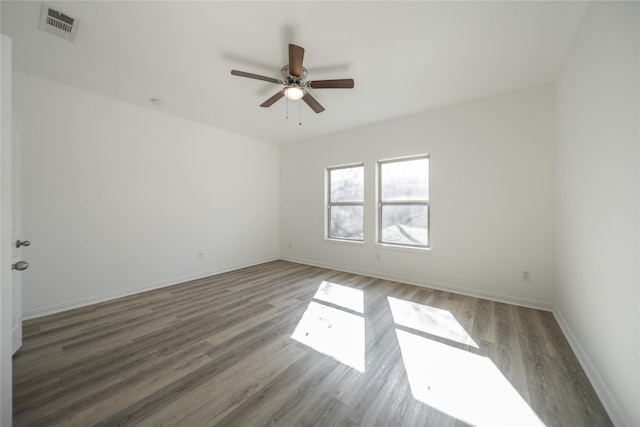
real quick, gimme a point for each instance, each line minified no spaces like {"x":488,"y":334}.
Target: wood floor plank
{"x":269,"y":404}
{"x":540,"y":379}
{"x":326,"y":412}
{"x":214,"y":399}
{"x":150,"y":383}
{"x":221,"y":351}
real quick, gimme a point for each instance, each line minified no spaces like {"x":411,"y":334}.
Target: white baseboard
{"x":522,"y":302}
{"x":82,"y":302}
{"x":610,"y":403}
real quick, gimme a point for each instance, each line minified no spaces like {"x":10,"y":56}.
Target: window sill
{"x":400,"y":248}
{"x":344,"y":242}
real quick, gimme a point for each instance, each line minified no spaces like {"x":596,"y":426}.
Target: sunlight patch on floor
{"x":335,"y":332}
{"x":343,"y":296}
{"x":430,"y":320}
{"x":462,"y":384}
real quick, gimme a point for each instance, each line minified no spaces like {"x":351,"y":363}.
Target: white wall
{"x":598,"y":203}
{"x":119,"y":198}
{"x":491,"y":197}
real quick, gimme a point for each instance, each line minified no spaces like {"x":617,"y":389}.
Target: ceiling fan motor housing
{"x":291,"y":79}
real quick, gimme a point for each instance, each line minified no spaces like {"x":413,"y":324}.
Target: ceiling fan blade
{"x":269,"y":102}
{"x":255,"y":76}
{"x":332,"y":84}
{"x":296,"y":55}
{"x":311,"y":102}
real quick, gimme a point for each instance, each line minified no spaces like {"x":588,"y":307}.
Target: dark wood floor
{"x":289,"y":344}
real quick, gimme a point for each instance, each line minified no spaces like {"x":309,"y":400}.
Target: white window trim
{"x":328,"y":204}
{"x":380,"y":203}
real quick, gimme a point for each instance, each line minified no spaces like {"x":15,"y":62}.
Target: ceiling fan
{"x":294,"y":78}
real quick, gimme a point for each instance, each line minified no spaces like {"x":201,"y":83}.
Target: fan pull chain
{"x":287,"y":108}
{"x":300,"y":103}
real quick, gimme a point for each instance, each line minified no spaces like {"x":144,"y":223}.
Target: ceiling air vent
{"x":58,"y":23}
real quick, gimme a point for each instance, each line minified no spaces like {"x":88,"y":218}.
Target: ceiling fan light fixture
{"x":294,"y":80}
{"x":294,"y":92}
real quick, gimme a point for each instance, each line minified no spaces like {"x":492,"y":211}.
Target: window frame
{"x":329,"y":203}
{"x":422,"y":202}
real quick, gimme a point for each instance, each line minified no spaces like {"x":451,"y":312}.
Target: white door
{"x":6,"y":300}
{"x":17,"y":244}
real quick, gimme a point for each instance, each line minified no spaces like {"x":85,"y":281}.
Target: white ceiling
{"x":405,"y":57}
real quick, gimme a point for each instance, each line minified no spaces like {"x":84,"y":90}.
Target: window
{"x":345,"y":202}
{"x":403,"y":201}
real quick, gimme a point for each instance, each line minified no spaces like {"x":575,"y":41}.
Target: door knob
{"x":20,"y":265}
{"x":22,"y":243}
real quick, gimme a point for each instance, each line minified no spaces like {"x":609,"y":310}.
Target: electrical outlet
{"x":289,"y":245}
{"x":526,"y":276}
{"x":200,"y":256}
{"x":377,"y":257}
